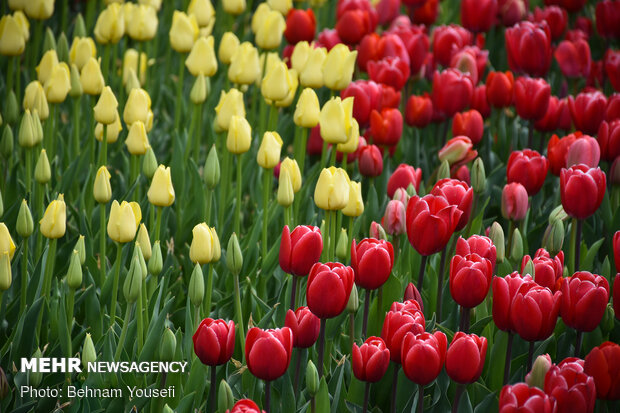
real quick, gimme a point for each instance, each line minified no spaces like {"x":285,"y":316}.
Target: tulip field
{"x":317,"y":206}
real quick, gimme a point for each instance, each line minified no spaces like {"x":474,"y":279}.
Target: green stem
{"x":196,"y":317}
{"x":190,"y":136}
{"x":103,"y":155}
{"x":240,"y":325}
{"x":578,"y":244}
{"x":332,"y":235}
{"x":102,"y":244}
{"x":51,"y":142}
{"x":177,"y":111}
{"x":121,"y":340}
{"x":351,"y":237}
{"x":70,"y":305}
{"x":197,"y":135}
{"x":39,"y":195}
{"x":572,"y":247}
{"x":105,"y":64}
{"x":366,"y":397}
{"x":117,"y":273}
{"x":321,"y":347}
{"x":139,"y":321}
{"x":24,"y":287}
{"x":267,"y":182}
{"x":366,"y":309}
{"x":209,"y":195}
{"x":76,"y":127}
{"x":9,"y":76}
{"x":49,"y":266}
{"x":207,"y":302}
{"x":323,"y":155}
{"x":420,"y":407}
{"x":239,"y":186}
{"x":333,"y":156}
{"x":29,"y":170}
{"x":511,"y":230}
{"x":158,"y":224}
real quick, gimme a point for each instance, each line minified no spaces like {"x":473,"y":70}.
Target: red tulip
{"x":584,"y":300}
{"x":470,"y":279}
{"x":268,"y":352}
{"x":394,"y":220}
{"x":416,"y":42}
{"x":457,"y":151}
{"x":612,"y":68}
{"x":300,"y":25}
{"x":371,"y":360}
{"x":430,"y":223}
{"x":396,"y":325}
{"x":452,"y":92}
{"x":368,"y":50}
{"x":327,"y":38}
{"x":447,"y":40}
{"x":534,"y":311}
{"x":557,"y":149}
{"x":613,"y":108}
{"x":584,"y":151}
{"x":388,"y":10}
{"x":402,"y":177}
{"x":354,"y":19}
{"x":616,"y":245}
{"x":577,"y":181}
{"x":301,"y":249}
{"x":532,"y":97}
{"x":529,"y":48}
{"x":465,"y":357}
{"x":504,"y":291}
{"x":471,"y":59}
{"x":426,"y":14}
{"x":607,"y":17}
{"x":574,"y":58}
{"x":478,"y":16}
{"x":522,"y":398}
{"x":477,"y":244}
{"x":386,"y":127}
{"x":304,"y":325}
{"x":329,"y":286}
{"x":370,"y":161}
{"x":392,"y":45}
{"x":515,"y":202}
{"x":512,"y":11}
{"x":602,"y":365}
{"x":372,"y":261}
{"x":500,"y":88}
{"x":214,"y":341}
{"x":419,"y":111}
{"x":528,"y":168}
{"x":315,"y":142}
{"x":366,"y":97}
{"x":569,"y":5}
{"x":551,"y":120}
{"x":391,"y":71}
{"x":423,"y":356}
{"x":469,"y":124}
{"x":588,"y":111}
{"x":480,"y":102}
{"x":573,"y":390}
{"x":456,"y":193}
{"x":609,"y":139}
{"x":556,"y":17}
{"x":547,"y":271}
{"x":245,"y":406}
{"x":412,"y":293}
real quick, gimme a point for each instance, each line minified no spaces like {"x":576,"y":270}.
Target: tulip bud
{"x":5,"y":271}
{"x":156,"y":262}
{"x":478,"y":176}
{"x":183,"y":32}
{"x":42,"y":171}
{"x":354,"y":302}
{"x":444,"y":170}
{"x":377,"y":231}
{"x":6,"y":242}
{"x":516,"y":252}
{"x":25,"y":226}
{"x":54,"y":221}
{"x":74,"y":274}
{"x":137,"y":253}
{"x":80,"y":27}
{"x":234,"y":7}
{"x":161,"y":191}
{"x":198,"y":93}
{"x":286,"y":195}
{"x":269,"y":32}
{"x":230,"y":104}
{"x":225,"y":398}
{"x":558,"y":214}
{"x":1,"y":205}
{"x":27,"y":137}
{"x":554,"y":237}
{"x":342,"y":247}
{"x":528,"y":269}
{"x":89,"y":354}
{"x":212,"y":169}
{"x":312,"y":73}
{"x":244,"y":66}
{"x":268,"y":154}
{"x":234,"y":257}
{"x":607,"y":323}
{"x":80,"y":247}
{"x":312,"y":379}
{"x":496,"y":233}
{"x":11,"y":108}
{"x":335,"y":120}
{"x":133,"y":282}
{"x":34,"y":378}
{"x":228,"y":46}
{"x":47,"y":63}
{"x":196,"y":286}
{"x":149,"y":165}
{"x":91,"y":78}
{"x":355,"y":204}
{"x":76,"y":86}
{"x":102,"y":190}
{"x":144,"y":242}
{"x":205,"y":246}
{"x":62,"y":48}
{"x":137,"y":141}
{"x":308,"y":110}
{"x":339,"y":66}
{"x":239,"y":137}
{"x":536,"y":377}
{"x":6,"y":143}
{"x":105,"y":109}
{"x":167,"y":409}
{"x":49,"y":42}
{"x":168,"y":346}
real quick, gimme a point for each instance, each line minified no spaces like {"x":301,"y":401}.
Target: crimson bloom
{"x":300,"y":25}
{"x":534,"y":311}
{"x":480,"y":102}
{"x":457,"y":193}
{"x":465,"y":357}
{"x":587,"y":111}
{"x":548,"y":271}
{"x":607,"y":17}
{"x":574,"y":58}
{"x":602,"y":365}
{"x":425,"y":14}
{"x":394,"y":220}
{"x":522,"y":398}
{"x":584,"y":151}
{"x":584,"y":300}
{"x":556,"y":17}
{"x":354,"y":19}
{"x":301,"y":249}
{"x":371,"y":360}
{"x":515,"y":202}
{"x":386,"y":127}
{"x":452,"y":92}
{"x":470,"y":124}
{"x":372,"y":260}
{"x":478,"y":16}
{"x":557,"y":150}
{"x":412,"y":293}
{"x":447,"y":40}
{"x":245,"y":406}
{"x":570,"y":5}
{"x":423,"y":356}
{"x":391,"y":71}
{"x":577,"y":181}
{"x":573,"y":390}
{"x":470,"y":279}
{"x":551,"y":120}
{"x":402,"y":177}
{"x":214,"y":341}
{"x":268,"y":352}
{"x":529,"y":168}
{"x":477,"y":244}
{"x":366,"y":97}
{"x":512,"y":11}
{"x":370,"y":161}
{"x":529,"y":48}
{"x":612,"y":68}
{"x":504,"y":291}
{"x":329,"y":287}
{"x":608,"y":138}
{"x":419,"y":111}
{"x":396,"y":325}
{"x":532,"y":97}
{"x":304,"y":325}
{"x":431,"y":221}
{"x":500,"y":87}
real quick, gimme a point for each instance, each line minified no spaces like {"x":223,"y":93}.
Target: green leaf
{"x":587,"y":263}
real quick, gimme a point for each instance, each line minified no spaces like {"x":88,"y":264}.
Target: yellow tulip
{"x":244,"y":66}
{"x":54,"y":222}
{"x":82,"y":49}
{"x":286,"y":195}
{"x":299,"y":58}
{"x":205,"y":246}
{"x":12,"y":40}
{"x":332,"y":189}
{"x":203,"y":10}
{"x":291,"y":166}
{"x":339,"y":66}
{"x":283,"y":6}
{"x":145,"y":242}
{"x":292,"y":90}
{"x":105,"y":109}
{"x":47,"y":63}
{"x":27,"y":135}
{"x":141,"y":22}
{"x":276,"y":83}
{"x":161,"y":192}
{"x":102,"y":190}
{"x":234,"y":7}
{"x":110,"y":26}
{"x":270,"y":31}
{"x":312,"y":73}
{"x":137,"y":141}
{"x":130,"y":61}
{"x":137,"y":107}
{"x":199,"y":91}
{"x":5,"y":271}
{"x":59,"y":83}
{"x":91,"y":77}
{"x":353,"y":140}
{"x":155,"y":4}
{"x":23,"y":22}
{"x":230,"y":104}
{"x":355,"y":206}
{"x":183,"y":32}
{"x":201,"y":59}
{"x":268,"y":154}
{"x":272,"y":59}
{"x":239,"y":138}
{"x":228,"y":47}
{"x":336,"y":120}
{"x":42,"y":170}
{"x":6,"y":242}
{"x":307,"y":110}
{"x":39,"y":9}
{"x":112,"y":131}
{"x":124,"y":221}
{"x":17,"y":4}
{"x":35,"y":100}
{"x":259,"y":16}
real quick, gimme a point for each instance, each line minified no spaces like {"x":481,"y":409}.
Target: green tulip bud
{"x":49,"y":42}
{"x":168,"y":346}
{"x":529,"y":268}
{"x":156,"y":262}
{"x":354,"y":303}
{"x":42,"y":171}
{"x":342,"y":247}
{"x":478,"y":176}
{"x":132,"y":81}
{"x":89,"y":354}
{"x":212,"y":169}
{"x":554,"y":237}
{"x":196,"y":286}
{"x":167,"y":409}
{"x":607,"y":324}
{"x":411,"y":191}
{"x":76,"y":86}
{"x":25,"y":226}
{"x":80,"y":27}
{"x":137,"y":252}
{"x":11,"y":108}
{"x":27,"y":136}
{"x":38,"y":127}
{"x":496,"y":233}
{"x":198,"y":93}
{"x":225,"y":399}
{"x":62,"y":48}
{"x":536,"y":377}
{"x":145,"y":242}
{"x":1,"y":205}
{"x":234,"y":257}
{"x":516,"y":252}
{"x":312,"y":379}
{"x":80,"y":246}
{"x":6,"y":277}
{"x":133,"y":282}
{"x":74,"y":274}
{"x":6,"y":143}
{"x":558,"y":213}
{"x":149,"y":166}
{"x":34,"y":378}
{"x":444,"y":170}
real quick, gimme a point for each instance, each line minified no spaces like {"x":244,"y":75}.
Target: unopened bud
{"x":34,"y":378}
{"x":411,"y":191}
{"x":62,"y":48}
{"x":496,"y":233}
{"x":354,"y":302}
{"x":38,"y":127}
{"x":529,"y":268}
{"x":137,"y":252}
{"x":443,"y":171}
{"x":198,"y":93}
{"x":79,"y":29}
{"x":76,"y":86}
{"x":74,"y":274}
{"x":412,"y":293}
{"x":225,"y":398}
{"x":42,"y":171}
{"x":554,"y":237}
{"x":80,"y":247}
{"x":133,"y":282}
{"x":312,"y":379}
{"x":558,"y":213}
{"x":27,"y":135}
{"x":25,"y":225}
{"x":234,"y":257}
{"x":377,"y":231}
{"x":144,"y":242}
{"x":212,"y":169}
{"x":6,"y":143}
{"x":196,"y":286}
{"x":607,"y":323}
{"x":156,"y":262}
{"x":167,"y":409}
{"x":478,"y":176}
{"x":536,"y":377}
{"x":149,"y":166}
{"x":168,"y":346}
{"x":49,"y":42}
{"x":342,"y":247}
{"x":89,"y":354}
{"x":516,"y":253}
{"x":285,"y":196}
{"x":11,"y":108}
